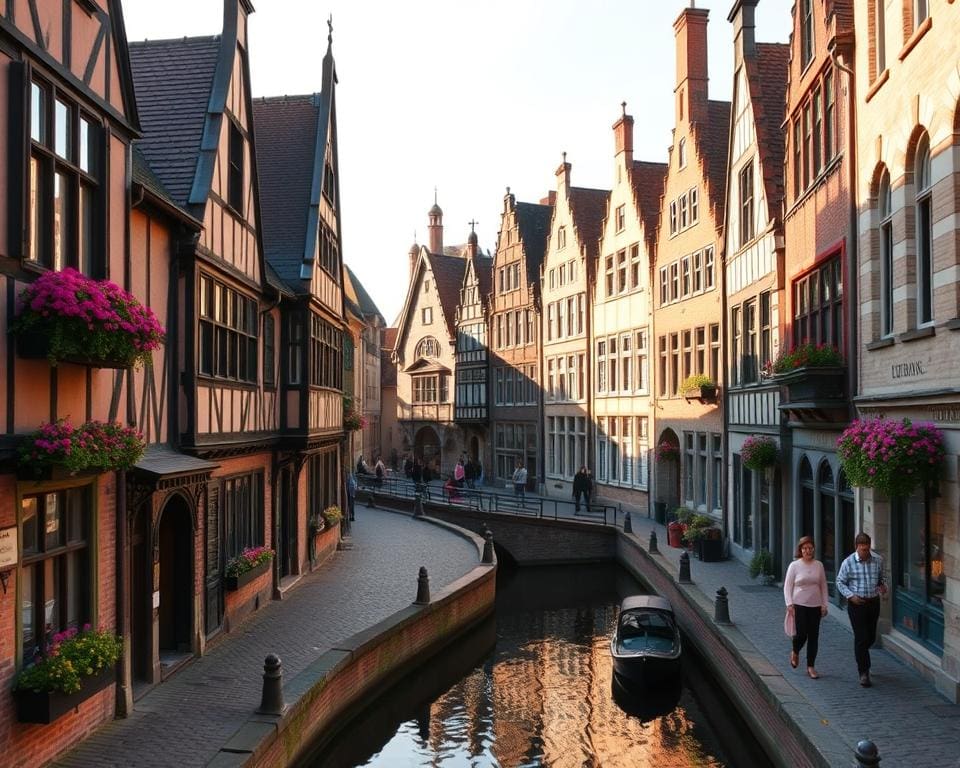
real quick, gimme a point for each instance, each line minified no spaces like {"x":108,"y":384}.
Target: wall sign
{"x":8,"y":547}
{"x":908,"y":370}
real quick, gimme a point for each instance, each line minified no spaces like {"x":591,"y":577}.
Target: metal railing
{"x":529,"y":505}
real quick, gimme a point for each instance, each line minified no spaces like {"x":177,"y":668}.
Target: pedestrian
{"x":362,"y":468}
{"x":459,"y":473}
{"x":452,"y":490}
{"x":351,"y":494}
{"x":805,"y":593}
{"x":416,"y":472}
{"x":519,"y":480}
{"x":408,"y":467}
{"x":582,"y":487}
{"x":861,"y":581}
{"x":379,"y":470}
{"x":470,"y":473}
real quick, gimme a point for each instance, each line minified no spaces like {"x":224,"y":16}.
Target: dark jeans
{"x":576,"y":499}
{"x":350,"y":507}
{"x":518,"y":489}
{"x":863,"y":619}
{"x":808,"y":631}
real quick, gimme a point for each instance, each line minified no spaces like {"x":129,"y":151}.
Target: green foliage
{"x":70,"y":656}
{"x":684,"y":515}
{"x":247,"y":560}
{"x":759,"y":452}
{"x":332,"y":515}
{"x":695,"y":382}
{"x":93,"y":446}
{"x":697,"y":528}
{"x":761,"y":564}
{"x":806,"y":356}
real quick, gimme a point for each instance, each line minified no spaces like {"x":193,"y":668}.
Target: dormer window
{"x":562,"y":237}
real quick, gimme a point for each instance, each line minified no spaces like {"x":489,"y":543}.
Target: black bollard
{"x":627,"y":525}
{"x":652,"y":549}
{"x":721,"y":610}
{"x":684,"y":576}
{"x":487,"y":547}
{"x":271,"y":699}
{"x":423,"y":587}
{"x":418,"y":506}
{"x":866,"y":754}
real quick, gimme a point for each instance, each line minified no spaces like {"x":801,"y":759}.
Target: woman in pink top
{"x":805,"y":592}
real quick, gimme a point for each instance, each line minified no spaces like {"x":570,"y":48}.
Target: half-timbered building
{"x":687,"y":305}
{"x":620,"y":330}
{"x":515,"y":328}
{"x":566,"y":278}
{"x":69,"y":120}
{"x":753,"y":280}
{"x":367,"y":363}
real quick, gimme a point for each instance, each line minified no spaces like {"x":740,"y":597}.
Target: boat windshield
{"x":650,"y":629}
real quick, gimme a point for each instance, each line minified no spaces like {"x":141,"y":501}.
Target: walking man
{"x":861,"y":581}
{"x":520,"y":480}
{"x":582,"y":487}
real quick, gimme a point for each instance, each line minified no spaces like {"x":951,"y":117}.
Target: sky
{"x":466,"y":99}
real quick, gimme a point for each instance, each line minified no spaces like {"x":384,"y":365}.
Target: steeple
{"x":435,"y":226}
{"x":472,"y":241}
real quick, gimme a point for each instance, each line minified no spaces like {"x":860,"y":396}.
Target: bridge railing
{"x":541,"y":507}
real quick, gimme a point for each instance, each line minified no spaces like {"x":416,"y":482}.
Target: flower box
{"x":233,"y":583}
{"x":813,"y":384}
{"x":47,"y":706}
{"x":35,"y":345}
{"x":59,"y":450}
{"x":705,"y":394}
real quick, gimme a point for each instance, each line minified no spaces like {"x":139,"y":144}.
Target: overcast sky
{"x":466,"y":97}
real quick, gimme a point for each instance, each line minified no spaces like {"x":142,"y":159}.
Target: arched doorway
{"x":174,"y":547}
{"x":426,"y":447}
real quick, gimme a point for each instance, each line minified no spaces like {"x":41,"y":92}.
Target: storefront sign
{"x":908,"y":370}
{"x":8,"y":547}
{"x":944,"y":414}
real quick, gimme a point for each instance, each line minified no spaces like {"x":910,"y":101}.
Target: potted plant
{"x":706,"y":539}
{"x":332,"y":515}
{"x":66,"y":316}
{"x":353,"y":420}
{"x":668,"y":452}
{"x":246,"y":566}
{"x":699,"y":387}
{"x":893,"y":457}
{"x":95,"y":446}
{"x":759,"y":452}
{"x":70,"y":668}
{"x":810,"y":372}
{"x":761,"y":564}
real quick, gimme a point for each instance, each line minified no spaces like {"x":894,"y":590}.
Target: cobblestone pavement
{"x":184,"y":721}
{"x":906,"y":718}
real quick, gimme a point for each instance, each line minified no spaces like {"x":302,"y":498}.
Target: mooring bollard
{"x":487,"y":547}
{"x":271,"y":698}
{"x":423,"y":587}
{"x":721,"y":610}
{"x":418,"y":506}
{"x":684,"y":575}
{"x":652,"y":548}
{"x":627,"y":524}
{"x":866,"y":754}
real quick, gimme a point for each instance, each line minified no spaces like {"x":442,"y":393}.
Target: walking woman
{"x":805,"y":592}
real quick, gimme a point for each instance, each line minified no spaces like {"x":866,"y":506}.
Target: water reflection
{"x":545,"y":695}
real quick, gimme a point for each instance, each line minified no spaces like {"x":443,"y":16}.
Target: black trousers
{"x":863,"y":619}
{"x":576,"y":499}
{"x":807,"y":620}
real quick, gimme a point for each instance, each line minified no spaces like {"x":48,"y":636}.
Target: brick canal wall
{"x":349,"y":675}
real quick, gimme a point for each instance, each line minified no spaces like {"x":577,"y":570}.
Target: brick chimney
{"x":550,"y":199}
{"x":690,"y":30}
{"x":563,"y":176}
{"x":742,"y":16}
{"x":623,"y":136}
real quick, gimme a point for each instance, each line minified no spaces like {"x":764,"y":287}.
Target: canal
{"x":534,"y":687}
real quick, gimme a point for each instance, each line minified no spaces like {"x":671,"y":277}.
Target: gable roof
{"x":711,"y":139}
{"x":483,"y":269}
{"x":588,"y":207}
{"x":173,"y":79}
{"x":533,"y":223}
{"x":767,"y":77}
{"x":647,"y":180}
{"x":360,"y":295}
{"x":448,"y":275}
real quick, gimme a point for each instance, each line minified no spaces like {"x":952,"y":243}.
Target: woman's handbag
{"x":789,"y":624}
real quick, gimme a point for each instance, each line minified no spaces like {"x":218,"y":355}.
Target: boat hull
{"x":646,"y":671}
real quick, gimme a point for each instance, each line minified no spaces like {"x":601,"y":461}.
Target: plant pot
{"x":233,"y":583}
{"x":706,"y":394}
{"x":45,"y":707}
{"x":35,"y":345}
{"x":710,"y":550}
{"x":660,"y":512}
{"x":675,"y":534}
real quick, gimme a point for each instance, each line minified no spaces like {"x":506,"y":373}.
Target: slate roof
{"x":286,"y":131}
{"x":143,"y":174}
{"x":588,"y":207}
{"x":533,"y":223}
{"x":712,"y":139}
{"x":448,"y":275}
{"x":364,"y":302}
{"x":173,"y":79}
{"x":483,"y":269}
{"x":647,"y":180}
{"x":767,"y":77}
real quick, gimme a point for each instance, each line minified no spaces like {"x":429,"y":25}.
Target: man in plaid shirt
{"x":861,"y":581}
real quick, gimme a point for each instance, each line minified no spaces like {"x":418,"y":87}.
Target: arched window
{"x":885,"y":206}
{"x":924,"y":231}
{"x":428,"y":347}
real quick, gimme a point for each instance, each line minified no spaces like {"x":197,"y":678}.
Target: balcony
{"x":437,"y":412}
{"x":471,"y":414}
{"x":814,"y":395}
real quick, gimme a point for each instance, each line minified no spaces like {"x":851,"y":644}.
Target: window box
{"x":814,"y":384}
{"x":705,"y":394}
{"x":233,"y":583}
{"x":35,"y":345}
{"x":47,"y":706}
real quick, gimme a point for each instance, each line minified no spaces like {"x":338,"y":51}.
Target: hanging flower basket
{"x":68,"y":317}
{"x":893,"y":457}
{"x":759,"y":452}
{"x":352,"y":418}
{"x":95,"y":446}
{"x":668,"y":452}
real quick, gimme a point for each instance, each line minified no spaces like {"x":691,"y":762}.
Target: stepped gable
{"x":172,"y":79}
{"x":285,"y":128}
{"x":647,"y":180}
{"x":588,"y":207}
{"x":767,"y":76}
{"x":712,"y":138}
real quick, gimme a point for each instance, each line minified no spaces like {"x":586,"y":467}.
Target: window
{"x":714,"y":371}
{"x":746,"y":204}
{"x":242,"y":501}
{"x":682,"y":153}
{"x":563,"y":274}
{"x":920,"y":13}
{"x":553,"y":279}
{"x":664,"y":298}
{"x":643,"y":381}
{"x":828,"y":112}
{"x":817,"y":133}
{"x":685,"y":282}
{"x":924,"y":225}
{"x":327,"y":359}
{"x":886,"y":256}
{"x":698,"y":272}
{"x":700,"y":497}
{"x":621,"y":271}
{"x":294,"y":350}
{"x":269,"y":369}
{"x":708,"y":268}
{"x":687,"y":337}
{"x":427,"y":347}
{"x":674,"y":363}
{"x":608,"y":274}
{"x":806,"y":146}
{"x":766,"y":336}
{"x":798,"y":186}
{"x":662,"y":372}
{"x":674,"y":281}
{"x":330,"y":254}
{"x":634,"y":266}
{"x":683,"y":211}
{"x":694,"y":196}
{"x":322,"y":479}
{"x":687,"y":469}
{"x":55,"y":583}
{"x":426,"y":315}
{"x":551,"y":380}
{"x":235,"y":173}
{"x":426,"y":286}
{"x":806,"y":31}
{"x":716,"y":492}
{"x":700,"y":351}
{"x":626,"y":362}
{"x":228,"y":332}
{"x":621,"y":217}
{"x":736,"y":345}
{"x":601,"y":366}
{"x":749,"y":372}
{"x":879,"y":38}
{"x":562,"y":237}
{"x":550,"y":322}
{"x":612,"y":367}
{"x":818,"y":306}
{"x":673,"y":217}
{"x":65,"y":202}
{"x":429,"y":389}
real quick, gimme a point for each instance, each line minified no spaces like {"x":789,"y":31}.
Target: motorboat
{"x":646,"y":646}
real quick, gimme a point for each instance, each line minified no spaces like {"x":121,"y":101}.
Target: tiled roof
{"x":389,"y":338}
{"x":286,"y":130}
{"x":588,"y":207}
{"x":767,"y":75}
{"x":483,"y":268}
{"x":366,"y":304}
{"x":533,"y":223}
{"x":648,"y":180}
{"x":173,"y":79}
{"x":143,"y":174}
{"x":448,"y":274}
{"x":712,"y":137}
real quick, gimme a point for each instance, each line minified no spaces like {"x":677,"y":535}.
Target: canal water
{"x":535,"y":687}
